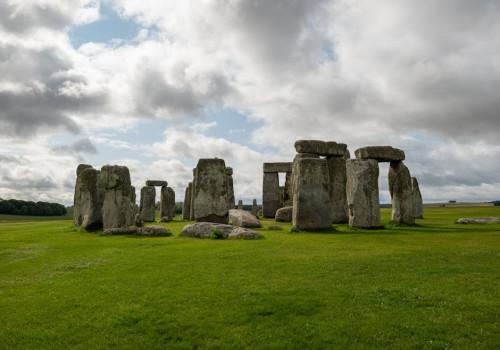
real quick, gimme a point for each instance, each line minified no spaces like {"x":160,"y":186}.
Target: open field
{"x":432,"y":286}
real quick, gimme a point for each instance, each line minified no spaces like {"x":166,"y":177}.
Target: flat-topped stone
{"x":380,"y":153}
{"x":281,"y":167}
{"x":322,"y":148}
{"x":156,"y":183}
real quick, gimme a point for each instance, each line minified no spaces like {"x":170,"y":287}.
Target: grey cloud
{"x":80,"y":146}
{"x":21,"y":183}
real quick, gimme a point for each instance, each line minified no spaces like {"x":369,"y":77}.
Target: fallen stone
{"x":417,"y":203}
{"x":284,"y":214}
{"x":243,"y":218}
{"x":281,"y":167}
{"x":147,"y":203}
{"x":165,"y":219}
{"x":120,"y":231}
{"x":160,"y":183}
{"x":215,"y":230}
{"x":401,"y":194}
{"x":311,"y":202}
{"x":362,"y":192}
{"x":153,"y":231}
{"x":138,"y":221}
{"x":380,"y":153}
{"x":115,"y":180}
{"x":322,"y":148}
{"x":485,"y":220}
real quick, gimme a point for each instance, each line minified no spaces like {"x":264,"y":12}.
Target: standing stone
{"x":337,"y":189}
{"x":240,"y":205}
{"x":230,"y":188}
{"x":362,"y":192}
{"x":270,"y":194}
{"x":147,"y":207}
{"x":186,"y":206}
{"x":88,"y":200}
{"x":191,"y":209}
{"x":418,"y":205}
{"x":294,"y":164}
{"x":167,"y":204}
{"x":287,"y":195}
{"x":401,"y":193}
{"x":115,"y":180}
{"x":210,"y":191}
{"x":133,"y":206}
{"x":255,"y":209}
{"x":311,"y":202}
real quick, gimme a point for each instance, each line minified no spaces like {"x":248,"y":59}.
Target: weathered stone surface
{"x":165,"y":219}
{"x":337,"y":189}
{"x":88,"y":199}
{"x":186,"y":206}
{"x":284,"y":214}
{"x":160,"y":183}
{"x":205,"y":230}
{"x":120,"y":231}
{"x":311,"y":202}
{"x":417,"y":203}
{"x":380,"y":153}
{"x":270,"y":194}
{"x":486,"y":220}
{"x":322,"y":148}
{"x":134,"y":208}
{"x":191,"y":209}
{"x":362,"y":192}
{"x":82,"y":167}
{"x":230,"y":190}
{"x":147,"y":206}
{"x":115,"y":180}
{"x":282,"y":196}
{"x":287,"y":195}
{"x":255,"y":209}
{"x":138,"y":221}
{"x":229,"y":171}
{"x":281,"y":167}
{"x":153,"y":231}
{"x":240,"y":205}
{"x":210,"y":191}
{"x":294,"y":164}
{"x":167,"y":203}
{"x":243,"y":218}
{"x":401,"y":193}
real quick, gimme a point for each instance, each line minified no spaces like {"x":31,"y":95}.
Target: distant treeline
{"x":19,"y":207}
{"x":496,"y":203}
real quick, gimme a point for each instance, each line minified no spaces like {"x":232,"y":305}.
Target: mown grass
{"x":431,"y":286}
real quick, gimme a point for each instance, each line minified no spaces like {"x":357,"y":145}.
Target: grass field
{"x":432,"y":286}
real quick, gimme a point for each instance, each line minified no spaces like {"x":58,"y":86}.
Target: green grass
{"x":431,"y":286}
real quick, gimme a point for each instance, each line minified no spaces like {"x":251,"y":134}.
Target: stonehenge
{"x":115,"y":181}
{"x":167,"y":204}
{"x":401,"y":193}
{"x":272,"y":196}
{"x":147,"y":204}
{"x":88,"y":198}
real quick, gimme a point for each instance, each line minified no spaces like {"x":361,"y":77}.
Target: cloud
{"x":80,"y":146}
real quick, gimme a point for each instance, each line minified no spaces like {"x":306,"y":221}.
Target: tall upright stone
{"x":186,"y":206}
{"x":210,"y":191}
{"x":417,"y":203}
{"x":134,"y":208}
{"x":362,"y":192}
{"x":147,"y":206}
{"x":293,"y":172}
{"x":287,"y":195}
{"x":255,"y":208}
{"x":401,"y":193}
{"x":240,"y":205}
{"x":337,"y":189}
{"x":311,"y":201}
{"x":167,"y":203}
{"x":230,"y":188}
{"x":88,"y":199}
{"x":191,"y":209}
{"x":115,"y":180}
{"x":270,"y":195}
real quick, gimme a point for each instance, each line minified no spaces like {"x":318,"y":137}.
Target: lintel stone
{"x":156,"y":183}
{"x":283,"y":167}
{"x":380,"y":153}
{"x":321,"y":148}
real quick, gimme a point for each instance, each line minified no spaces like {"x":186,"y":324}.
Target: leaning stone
{"x":486,"y":220}
{"x":88,"y":200}
{"x":115,"y":180}
{"x":153,"y":231}
{"x":337,"y":189}
{"x":362,"y":192}
{"x":284,"y":214}
{"x":322,"y":148}
{"x":186,"y":206}
{"x":160,"y":183}
{"x":167,"y":203}
{"x":147,"y":206}
{"x":243,"y":218}
{"x":210,"y":191}
{"x":417,"y":203}
{"x":311,"y":202}
{"x":120,"y":231}
{"x":270,"y":194}
{"x":206,"y":230}
{"x":401,"y":194}
{"x":380,"y":153}
{"x":281,"y":167}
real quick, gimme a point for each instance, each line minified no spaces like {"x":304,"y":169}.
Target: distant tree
{"x":20,"y":207}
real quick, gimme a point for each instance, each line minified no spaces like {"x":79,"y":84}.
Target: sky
{"x":156,"y":85}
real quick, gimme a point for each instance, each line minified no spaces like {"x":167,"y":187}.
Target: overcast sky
{"x":155,"y":85}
